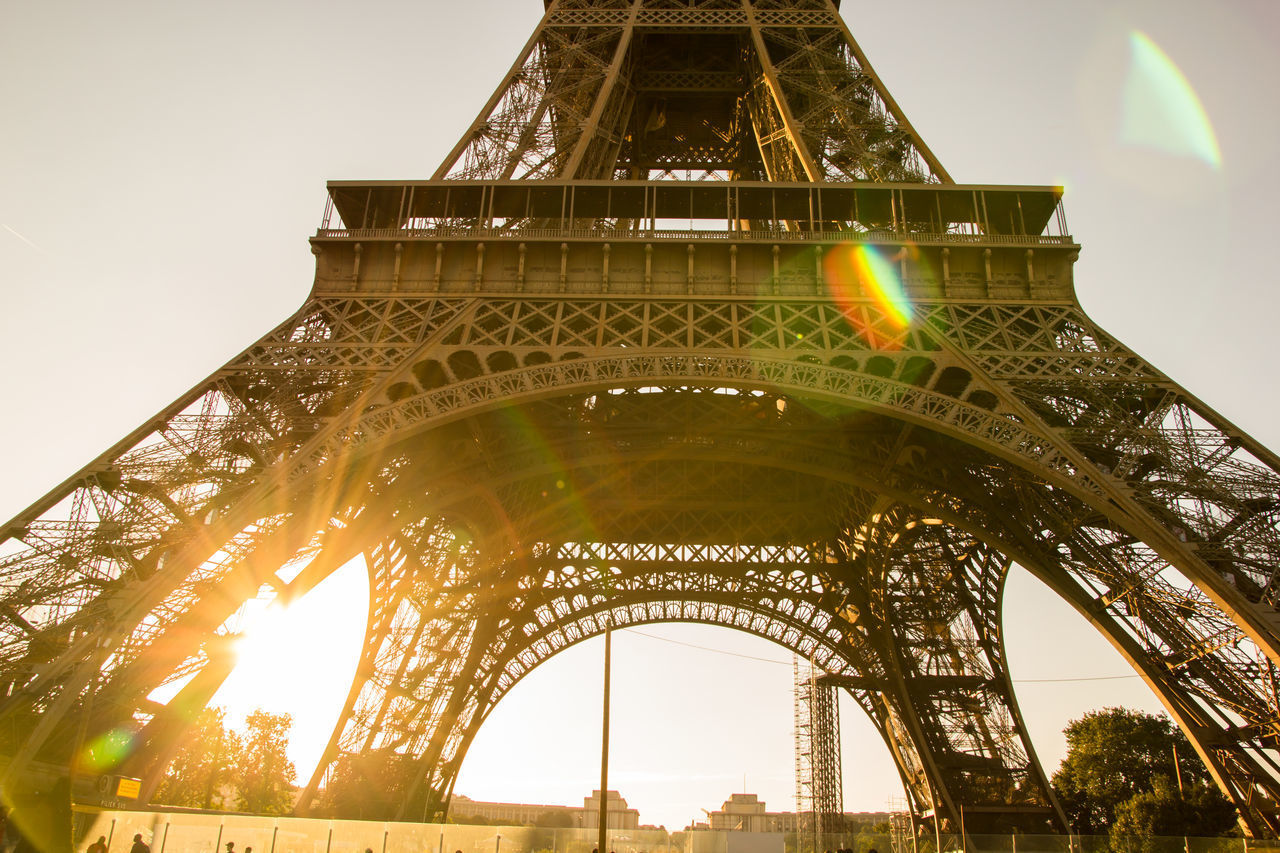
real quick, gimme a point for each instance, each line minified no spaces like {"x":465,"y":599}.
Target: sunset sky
{"x":164,"y":163}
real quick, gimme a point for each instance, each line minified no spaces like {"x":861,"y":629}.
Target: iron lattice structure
{"x":819,"y":780}
{"x":555,"y":388}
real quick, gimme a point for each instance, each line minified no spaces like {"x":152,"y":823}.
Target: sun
{"x":300,"y":660}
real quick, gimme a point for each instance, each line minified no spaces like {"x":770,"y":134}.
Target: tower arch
{"x":836,"y":269}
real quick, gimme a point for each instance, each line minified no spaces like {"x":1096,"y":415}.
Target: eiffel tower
{"x":690,"y":326}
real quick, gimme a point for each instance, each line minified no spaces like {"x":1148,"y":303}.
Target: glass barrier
{"x":192,"y":832}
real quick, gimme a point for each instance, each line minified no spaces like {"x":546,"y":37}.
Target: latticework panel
{"x":847,"y":127}
{"x":813,"y":109}
{"x":1208,"y":487}
{"x":537,"y":119}
{"x":135,"y":543}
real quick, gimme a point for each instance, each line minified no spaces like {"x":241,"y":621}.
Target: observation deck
{"x":691,"y":237}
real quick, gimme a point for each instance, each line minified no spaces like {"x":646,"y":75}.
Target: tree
{"x":554,"y":819}
{"x":372,"y":786}
{"x":1122,"y":762}
{"x":1198,"y":810}
{"x":202,"y":772}
{"x":265,"y":773}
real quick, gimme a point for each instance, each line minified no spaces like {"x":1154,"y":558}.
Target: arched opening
{"x":465,"y":365}
{"x":594,"y":494}
{"x":652,"y":393}
{"x":952,"y":381}
{"x":696,"y":708}
{"x":430,"y":374}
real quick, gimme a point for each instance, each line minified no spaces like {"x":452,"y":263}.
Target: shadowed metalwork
{"x":690,"y":326}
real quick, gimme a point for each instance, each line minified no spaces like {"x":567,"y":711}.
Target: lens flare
{"x":1161,"y":109}
{"x":882,"y":282}
{"x":856,"y":272}
{"x":107,"y":751}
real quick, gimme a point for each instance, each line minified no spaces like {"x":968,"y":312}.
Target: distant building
{"x":740,"y":813}
{"x":620,"y":817}
{"x":868,"y":818}
{"x":523,"y":814}
{"x":746,"y":813}
{"x":512,"y":814}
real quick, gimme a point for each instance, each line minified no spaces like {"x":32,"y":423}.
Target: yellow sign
{"x":128,"y":788}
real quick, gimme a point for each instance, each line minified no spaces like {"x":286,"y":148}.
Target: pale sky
{"x":163,"y":163}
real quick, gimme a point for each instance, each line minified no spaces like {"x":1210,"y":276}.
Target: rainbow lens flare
{"x":1161,"y":109}
{"x":107,"y":750}
{"x":859,"y":270}
{"x":880,"y":279}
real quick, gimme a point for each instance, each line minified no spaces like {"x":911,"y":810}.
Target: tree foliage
{"x":203,"y":770}
{"x":1119,"y":776}
{"x":217,"y":768}
{"x":554,"y":819}
{"x":1164,"y":810}
{"x":265,"y":773}
{"x":372,"y":786}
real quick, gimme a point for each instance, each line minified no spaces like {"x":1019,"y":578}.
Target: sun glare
{"x":300,"y":660}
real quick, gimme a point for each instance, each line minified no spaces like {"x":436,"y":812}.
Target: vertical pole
{"x":604,"y":749}
{"x":964,"y":839}
{"x":1177,"y":771}
{"x":164,"y":839}
{"x":937,"y":827}
{"x":328,"y":843}
{"x":111,"y":833}
{"x":813,"y":729}
{"x":217,"y":845}
{"x":275,"y":830}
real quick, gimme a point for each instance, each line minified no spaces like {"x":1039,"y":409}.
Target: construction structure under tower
{"x":819,"y":782}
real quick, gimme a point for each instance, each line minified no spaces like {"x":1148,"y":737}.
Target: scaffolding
{"x":819,"y":782}
{"x":902,"y":834}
